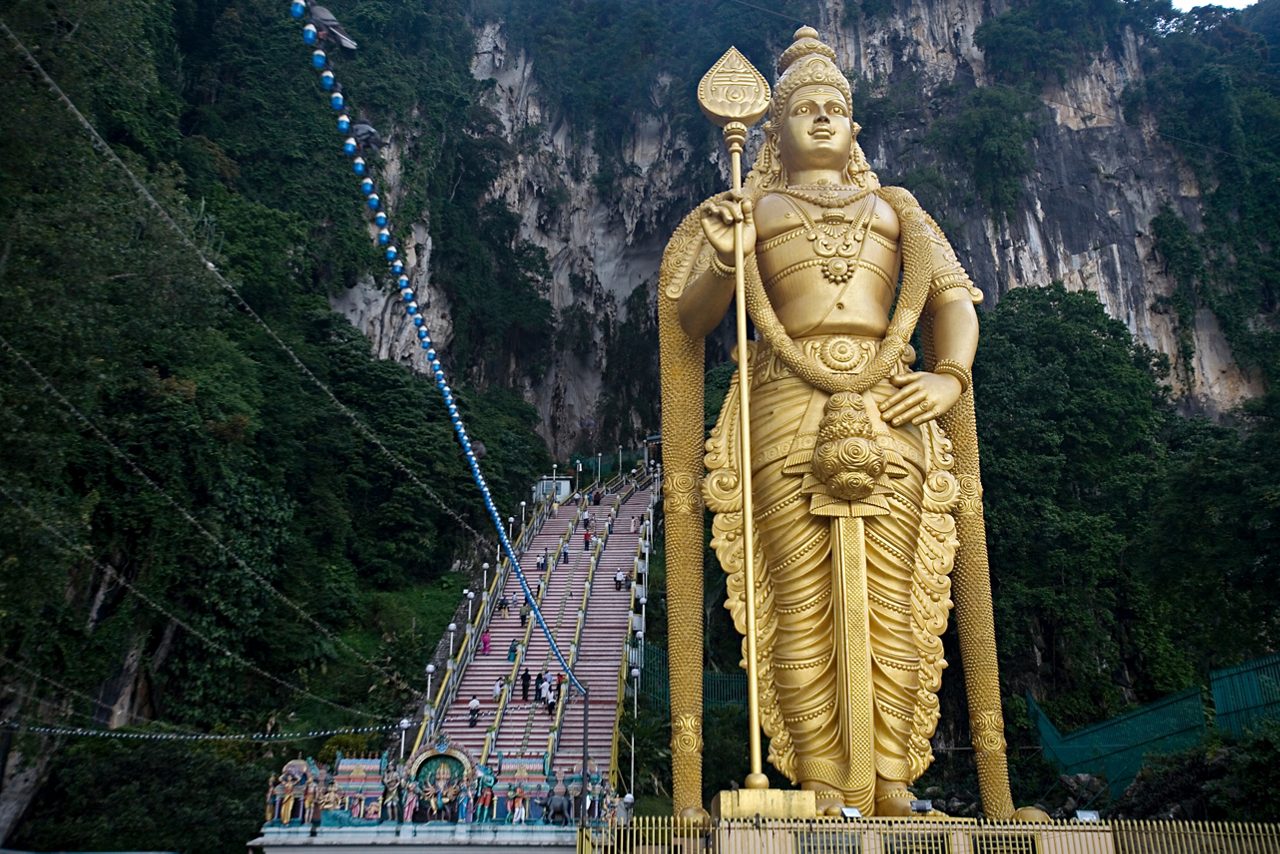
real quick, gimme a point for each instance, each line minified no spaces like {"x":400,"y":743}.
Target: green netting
{"x":1247,"y":694}
{"x":1116,"y":748}
{"x":718,"y":689}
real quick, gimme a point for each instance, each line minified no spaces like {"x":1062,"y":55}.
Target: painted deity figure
{"x":865,"y":478}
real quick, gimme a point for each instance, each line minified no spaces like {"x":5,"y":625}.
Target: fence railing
{"x":645,"y":834}
{"x":1246,"y":695}
{"x":538,"y":593}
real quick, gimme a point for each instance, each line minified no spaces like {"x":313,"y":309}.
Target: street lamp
{"x":619,"y":460}
{"x":635,"y":719}
{"x":598,"y":456}
{"x":522,"y":515}
{"x":511,"y":521}
{"x":405,"y":723}
{"x":555,"y":485}
{"x":644,"y":600}
{"x":453,"y":630}
{"x":471,"y":597}
{"x":577,"y":473}
{"x":484,"y":574}
{"x":431,"y":671}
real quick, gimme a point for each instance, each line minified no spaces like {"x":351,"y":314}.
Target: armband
{"x":720,"y":269}
{"x":952,"y":368}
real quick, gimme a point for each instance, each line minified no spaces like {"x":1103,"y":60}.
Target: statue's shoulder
{"x":774,"y":214}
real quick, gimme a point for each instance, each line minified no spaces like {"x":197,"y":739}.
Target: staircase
{"x":524,"y":733}
{"x":484,"y":670}
{"x":600,"y":651}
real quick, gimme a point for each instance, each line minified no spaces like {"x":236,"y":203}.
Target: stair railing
{"x":491,"y":734}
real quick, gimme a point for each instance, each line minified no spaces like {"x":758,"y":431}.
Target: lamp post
{"x":511,"y":521}
{"x":484,"y":575}
{"x":453,"y":630}
{"x":522,"y":504}
{"x":635,"y":719}
{"x":577,"y":474}
{"x":405,"y":723}
{"x":619,"y":460}
{"x":431,"y":672}
{"x":471,"y":597}
{"x":598,"y":460}
{"x":555,"y":484}
{"x":644,"y":600}
{"x":640,"y":637}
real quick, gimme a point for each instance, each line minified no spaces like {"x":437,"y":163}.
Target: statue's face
{"x":816,"y":130}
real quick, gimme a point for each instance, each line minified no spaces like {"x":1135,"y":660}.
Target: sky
{"x":1184,"y":5}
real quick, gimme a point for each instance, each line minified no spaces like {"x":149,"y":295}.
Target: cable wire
{"x":107,"y":151}
{"x":213,"y":539}
{"x":215,"y":645}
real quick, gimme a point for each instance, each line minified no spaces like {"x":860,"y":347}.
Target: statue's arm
{"x":707,"y":296}
{"x":705,"y":300}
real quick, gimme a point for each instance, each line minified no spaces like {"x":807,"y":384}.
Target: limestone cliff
{"x":1083,"y":215}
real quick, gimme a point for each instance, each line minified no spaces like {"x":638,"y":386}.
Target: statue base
{"x":798,"y":804}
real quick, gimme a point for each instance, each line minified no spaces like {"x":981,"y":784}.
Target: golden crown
{"x":807,"y":62}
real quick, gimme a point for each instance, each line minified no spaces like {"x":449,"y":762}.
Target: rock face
{"x":1083,"y":217}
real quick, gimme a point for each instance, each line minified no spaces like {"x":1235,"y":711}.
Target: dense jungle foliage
{"x":1133,"y":548}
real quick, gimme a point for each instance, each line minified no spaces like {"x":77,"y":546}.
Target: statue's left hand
{"x":921,"y":397}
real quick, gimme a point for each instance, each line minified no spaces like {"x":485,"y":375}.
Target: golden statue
{"x":864,"y":490}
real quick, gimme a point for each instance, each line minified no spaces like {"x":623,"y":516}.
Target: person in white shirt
{"x":618,"y":578}
{"x":473,"y":711}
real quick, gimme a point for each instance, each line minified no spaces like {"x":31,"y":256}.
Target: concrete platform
{"x":436,"y":838}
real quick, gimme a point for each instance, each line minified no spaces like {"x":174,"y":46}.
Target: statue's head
{"x":810,"y":117}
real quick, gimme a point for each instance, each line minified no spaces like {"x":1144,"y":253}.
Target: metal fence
{"x":1116,"y":747}
{"x":1246,"y":695}
{"x":653,"y":834}
{"x":718,"y":689}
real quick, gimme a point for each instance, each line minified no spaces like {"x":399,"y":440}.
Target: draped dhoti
{"x":854,"y":592}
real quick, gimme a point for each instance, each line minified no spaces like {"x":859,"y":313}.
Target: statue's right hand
{"x":718,"y":216}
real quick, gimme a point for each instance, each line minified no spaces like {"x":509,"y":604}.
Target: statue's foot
{"x":830,"y":801}
{"x":893,"y":799}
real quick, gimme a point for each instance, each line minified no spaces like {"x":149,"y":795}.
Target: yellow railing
{"x":624,"y":673}
{"x":541,"y":512}
{"x":557,"y":724}
{"x":492,"y":732}
{"x":930,"y":836}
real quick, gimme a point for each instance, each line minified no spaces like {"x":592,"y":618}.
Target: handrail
{"x":624,"y":671}
{"x":447,"y":691}
{"x":491,"y":734}
{"x":524,"y":740}
{"x":557,"y":721}
{"x":624,"y":674}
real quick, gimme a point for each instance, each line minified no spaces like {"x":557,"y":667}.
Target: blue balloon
{"x":366,"y":186}
{"x":326,"y":81}
{"x":380,"y":219}
{"x":344,"y":123}
{"x":336,"y":100}
{"x":403,"y":281}
{"x":417,"y":321}
{"x":424,"y":345}
{"x":309,"y":34}
{"x":374,"y":201}
{"x":422,"y":336}
{"x":439,"y":381}
{"x":349,"y":145}
{"x":358,"y":165}
{"x":319,"y":60}
{"x":407,"y":295}
{"x":432,"y":356}
{"x":297,"y":8}
{"x":391,"y":253}
{"x":411,"y":308}
{"x":384,"y":237}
